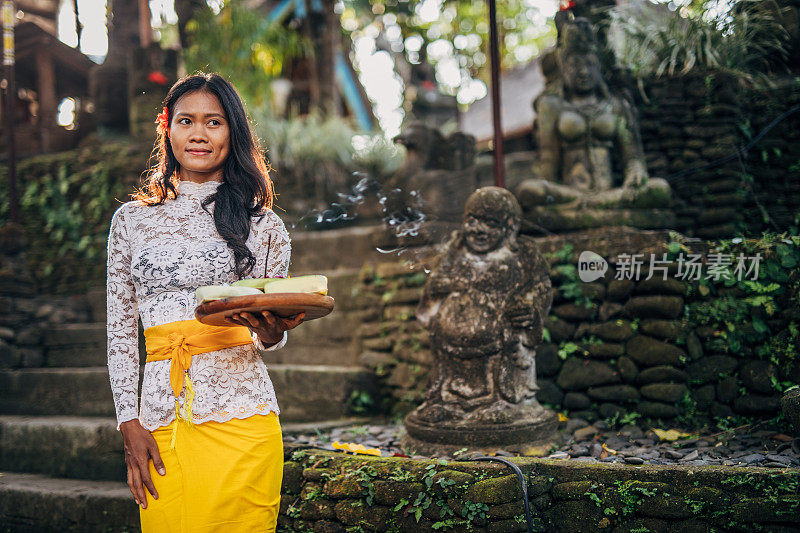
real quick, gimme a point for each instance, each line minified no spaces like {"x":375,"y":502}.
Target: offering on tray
{"x":309,"y":284}
{"x":283,"y":297}
{"x":313,"y":283}
{"x":256,"y":283}
{"x":217,"y":292}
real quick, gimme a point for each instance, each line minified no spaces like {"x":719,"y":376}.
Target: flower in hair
{"x":163,"y":121}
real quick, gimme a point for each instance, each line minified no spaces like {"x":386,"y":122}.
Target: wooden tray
{"x":283,"y":304}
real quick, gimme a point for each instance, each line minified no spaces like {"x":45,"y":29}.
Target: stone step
{"x":88,"y":447}
{"x":316,"y":252}
{"x":305,"y":392}
{"x":75,"y":345}
{"x":74,"y":334}
{"x":35,"y":503}
{"x":308,"y":393}
{"x":62,"y":446}
{"x":56,"y":391}
{"x":328,"y":341}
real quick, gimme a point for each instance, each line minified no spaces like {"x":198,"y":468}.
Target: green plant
{"x":398,"y":474}
{"x":299,"y":455}
{"x":66,"y":201}
{"x":696,"y":506}
{"x":623,"y":419}
{"x":474,"y":511}
{"x":688,"y":410}
{"x":364,"y":474}
{"x":293,"y":512}
{"x":314,"y":494}
{"x":567,"y":348}
{"x":631,"y":494}
{"x":358,"y":430}
{"x":743,"y":317}
{"x":361,"y":402}
{"x":746,"y":41}
{"x":595,"y":498}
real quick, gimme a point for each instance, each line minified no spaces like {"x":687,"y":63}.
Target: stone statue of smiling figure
{"x":491,"y":219}
{"x":483,"y":305}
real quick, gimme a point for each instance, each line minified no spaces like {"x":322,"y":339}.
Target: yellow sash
{"x":179,"y":341}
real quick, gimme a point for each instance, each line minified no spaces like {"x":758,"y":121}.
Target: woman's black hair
{"x":246,"y":188}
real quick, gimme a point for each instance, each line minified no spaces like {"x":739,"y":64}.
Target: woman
{"x":206,"y":444}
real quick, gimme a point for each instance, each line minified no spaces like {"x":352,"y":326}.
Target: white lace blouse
{"x":157,"y":257}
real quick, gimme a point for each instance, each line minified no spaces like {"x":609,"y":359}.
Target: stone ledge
{"x":563,"y":494}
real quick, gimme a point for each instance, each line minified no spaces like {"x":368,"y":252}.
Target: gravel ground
{"x":579,"y":441}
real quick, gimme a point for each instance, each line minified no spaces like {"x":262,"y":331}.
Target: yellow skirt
{"x":221,"y":477}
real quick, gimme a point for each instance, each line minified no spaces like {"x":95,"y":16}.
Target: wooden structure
{"x":46,"y":72}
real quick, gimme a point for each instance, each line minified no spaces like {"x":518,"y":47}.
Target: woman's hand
{"x":267,"y":325}
{"x":140,"y":448}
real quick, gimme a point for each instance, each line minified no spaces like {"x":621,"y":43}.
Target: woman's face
{"x":199,"y":136}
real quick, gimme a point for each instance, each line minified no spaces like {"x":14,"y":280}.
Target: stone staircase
{"x":61,"y":462}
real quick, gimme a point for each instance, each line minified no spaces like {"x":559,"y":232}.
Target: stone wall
{"x":24,"y":316}
{"x":692,"y":121}
{"x":772,"y":167}
{"x":617,"y":349}
{"x":330,"y":492}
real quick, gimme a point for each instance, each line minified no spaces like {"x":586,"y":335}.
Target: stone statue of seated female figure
{"x":586,"y":138}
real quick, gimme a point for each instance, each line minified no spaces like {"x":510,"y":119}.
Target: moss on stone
{"x":496,"y":490}
{"x":317,"y":474}
{"x":343,"y":487}
{"x":539,"y":485}
{"x":292,"y":477}
{"x":392,"y":492}
{"x":573,"y":490}
{"x":356,"y":513}
{"x":505,"y":510}
{"x":575,"y":515}
{"x":565,"y":495}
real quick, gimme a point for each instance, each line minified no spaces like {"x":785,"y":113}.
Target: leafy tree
{"x":254,"y":51}
{"x":460,"y":27}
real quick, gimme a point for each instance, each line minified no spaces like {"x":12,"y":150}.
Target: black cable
{"x":523,"y":484}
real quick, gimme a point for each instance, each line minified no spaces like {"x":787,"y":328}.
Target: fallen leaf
{"x":537,"y":451}
{"x":609,"y":450}
{"x":669,"y":435}
{"x":562,"y":418}
{"x":355,"y":448}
